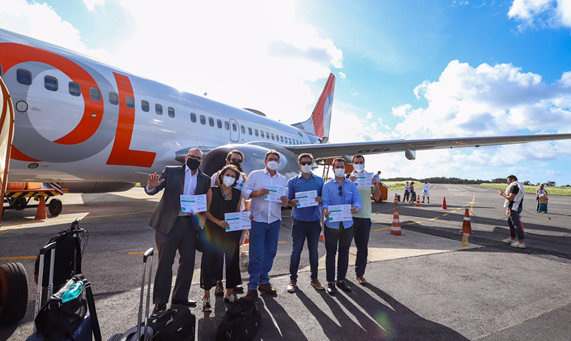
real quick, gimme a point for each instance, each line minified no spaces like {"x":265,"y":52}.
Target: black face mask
{"x":193,"y":164}
{"x":238,"y":165}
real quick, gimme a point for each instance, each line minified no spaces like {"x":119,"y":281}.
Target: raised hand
{"x":154,"y":181}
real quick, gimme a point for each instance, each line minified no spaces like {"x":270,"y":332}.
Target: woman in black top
{"x":220,"y":244}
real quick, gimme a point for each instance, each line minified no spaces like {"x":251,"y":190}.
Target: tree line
{"x":446,"y":180}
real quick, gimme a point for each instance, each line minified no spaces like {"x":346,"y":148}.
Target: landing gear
{"x":13,"y":292}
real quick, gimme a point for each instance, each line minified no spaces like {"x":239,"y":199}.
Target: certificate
{"x":276,"y":192}
{"x":364,"y":179}
{"x":237,"y":221}
{"x":193,"y":203}
{"x":340,"y":213}
{"x":306,"y":199}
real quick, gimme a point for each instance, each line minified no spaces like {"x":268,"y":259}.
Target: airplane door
{"x":234,"y":130}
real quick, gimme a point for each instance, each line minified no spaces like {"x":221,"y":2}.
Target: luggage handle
{"x":148,"y":253}
{"x":49,"y":247}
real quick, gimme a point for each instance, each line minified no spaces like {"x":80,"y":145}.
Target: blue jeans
{"x":300,"y":230}
{"x":361,"y":232}
{"x":337,"y":238}
{"x":263,"y":249}
{"x":515,"y":224}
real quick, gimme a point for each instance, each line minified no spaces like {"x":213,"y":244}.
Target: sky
{"x":412,"y":69}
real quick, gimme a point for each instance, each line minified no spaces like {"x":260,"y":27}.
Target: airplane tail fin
{"x":320,"y":120}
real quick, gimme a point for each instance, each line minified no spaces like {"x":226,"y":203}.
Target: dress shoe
{"x":343,"y":285}
{"x":267,"y":288}
{"x":292,"y":286}
{"x":188,"y":303}
{"x":361,"y":280}
{"x":331,"y":288}
{"x":316,"y":284}
{"x":251,"y":295}
{"x":159,"y":307}
{"x":239,"y":288}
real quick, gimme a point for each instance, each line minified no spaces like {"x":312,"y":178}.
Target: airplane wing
{"x":410,"y":146}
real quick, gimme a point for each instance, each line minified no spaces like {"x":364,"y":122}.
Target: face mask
{"x":306,"y":169}
{"x":238,"y":165}
{"x":359,"y":168}
{"x":229,"y":181}
{"x":273,"y":165}
{"x":193,"y":164}
{"x":339,"y":172}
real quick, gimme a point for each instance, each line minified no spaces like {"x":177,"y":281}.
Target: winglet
{"x":320,"y":120}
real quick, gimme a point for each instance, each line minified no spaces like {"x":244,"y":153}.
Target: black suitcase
{"x":135,"y":333}
{"x":175,"y":324}
{"x":241,"y":322}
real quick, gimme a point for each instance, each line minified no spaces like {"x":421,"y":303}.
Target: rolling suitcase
{"x":175,"y":324}
{"x":56,"y":320}
{"x":542,"y":208}
{"x":135,"y":334}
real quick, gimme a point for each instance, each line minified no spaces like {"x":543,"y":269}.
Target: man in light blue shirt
{"x":305,"y":221}
{"x":338,"y":235}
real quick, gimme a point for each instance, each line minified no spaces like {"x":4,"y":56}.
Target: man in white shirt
{"x":426,"y":191}
{"x":266,"y":220}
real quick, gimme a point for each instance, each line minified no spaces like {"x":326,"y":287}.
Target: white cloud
{"x":342,"y":75}
{"x":553,"y":13}
{"x":90,"y":4}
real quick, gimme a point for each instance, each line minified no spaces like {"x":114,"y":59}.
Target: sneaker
{"x":509,"y":240}
{"x":291,"y":286}
{"x":518,"y":244}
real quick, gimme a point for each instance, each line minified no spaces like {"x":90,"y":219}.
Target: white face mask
{"x":339,"y":172}
{"x":306,"y":169}
{"x":273,"y":165}
{"x":359,"y":168}
{"x":229,"y":181}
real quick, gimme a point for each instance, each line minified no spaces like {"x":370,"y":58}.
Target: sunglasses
{"x":340,"y":191}
{"x":236,"y":160}
{"x":305,"y":163}
{"x":194,"y":157}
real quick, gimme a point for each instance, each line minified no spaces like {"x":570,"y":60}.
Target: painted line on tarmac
{"x":382,"y":229}
{"x":17,"y":258}
{"x":156,"y":251}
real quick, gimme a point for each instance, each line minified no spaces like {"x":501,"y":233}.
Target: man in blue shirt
{"x":305,"y":221}
{"x":339,"y":191}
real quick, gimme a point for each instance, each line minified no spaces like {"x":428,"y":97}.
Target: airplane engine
{"x":254,"y":156}
{"x":97,"y":187}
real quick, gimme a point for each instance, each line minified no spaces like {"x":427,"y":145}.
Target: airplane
{"x":94,"y":128}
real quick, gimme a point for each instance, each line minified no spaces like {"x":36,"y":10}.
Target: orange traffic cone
{"x":396,"y":200}
{"x":444,"y":207}
{"x":418,"y":201}
{"x":41,"y":211}
{"x":246,"y":237}
{"x":321,"y":236}
{"x":521,"y":222}
{"x":395,"y":228}
{"x":466,"y":226}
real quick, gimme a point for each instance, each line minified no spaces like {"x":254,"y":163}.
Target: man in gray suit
{"x":176,"y":229}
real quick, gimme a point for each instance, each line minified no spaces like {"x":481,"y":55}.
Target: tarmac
{"x":422,"y":286}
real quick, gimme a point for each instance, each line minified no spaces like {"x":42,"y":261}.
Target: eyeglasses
{"x":236,"y":160}
{"x":305,"y":163}
{"x":195,"y":157}
{"x":340,"y":191}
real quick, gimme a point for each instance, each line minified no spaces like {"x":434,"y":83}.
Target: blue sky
{"x":405,"y":69}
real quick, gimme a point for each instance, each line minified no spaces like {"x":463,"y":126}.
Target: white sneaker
{"x":518,"y":244}
{"x":509,"y":240}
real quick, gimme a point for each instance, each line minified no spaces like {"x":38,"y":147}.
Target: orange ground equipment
{"x":395,"y":228}
{"x":321,"y":236}
{"x":396,"y":202}
{"x":418,"y":201}
{"x":521,"y":222}
{"x":41,"y":210}
{"x":466,"y":230}
{"x":444,"y":207}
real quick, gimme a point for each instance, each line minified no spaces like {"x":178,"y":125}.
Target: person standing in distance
{"x":426,"y":191}
{"x":266,"y":220}
{"x":514,"y":194}
{"x":378,"y":176}
{"x":406,"y":195}
{"x":175,"y":229}
{"x":362,"y":219}
{"x":306,"y":221}
{"x":338,"y":235}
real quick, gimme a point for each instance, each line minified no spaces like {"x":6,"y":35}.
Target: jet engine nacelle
{"x":96,"y":187}
{"x":410,"y":154}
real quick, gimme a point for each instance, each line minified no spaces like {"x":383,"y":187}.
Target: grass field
{"x":399,"y":185}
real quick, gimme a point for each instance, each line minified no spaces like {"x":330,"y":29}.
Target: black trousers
{"x":220,"y":245}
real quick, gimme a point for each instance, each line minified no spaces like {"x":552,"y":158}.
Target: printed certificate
{"x":364,"y":179}
{"x":306,"y":199}
{"x":340,"y":213}
{"x":237,"y":221}
{"x":276,"y":192}
{"x":193,"y":203}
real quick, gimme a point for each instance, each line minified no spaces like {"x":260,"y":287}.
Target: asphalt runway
{"x":422,"y":286}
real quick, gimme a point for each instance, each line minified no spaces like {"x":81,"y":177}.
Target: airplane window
{"x":282,"y":138}
{"x":219,"y":124}
{"x":24,"y":77}
{"x":74,"y":89}
{"x":243,"y":129}
{"x":113,"y":98}
{"x":262,"y":133}
{"x":226,"y":125}
{"x":211,"y":121}
{"x":202,"y":120}
{"x":145,"y":106}
{"x":193,"y":117}
{"x":267,"y":135}
{"x":50,"y":83}
{"x":130,"y":101}
{"x":95,"y":94}
{"x":171,"y":112}
{"x":250,"y":130}
{"x":234,"y":127}
{"x":273,"y":136}
{"x":158,"y":109}
{"x":256,"y":132}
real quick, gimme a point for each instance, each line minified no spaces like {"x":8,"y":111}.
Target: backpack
{"x":241,"y":322}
